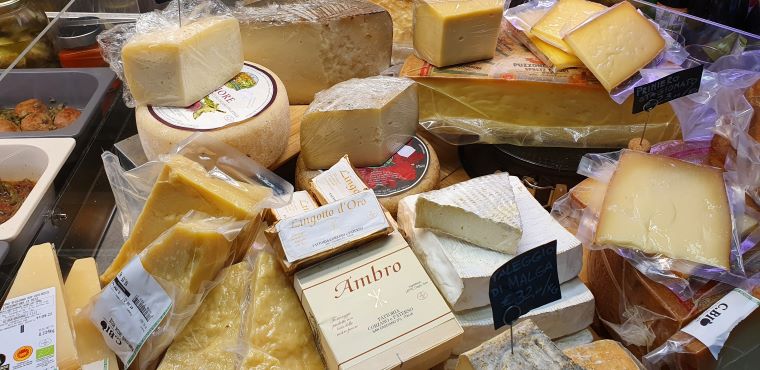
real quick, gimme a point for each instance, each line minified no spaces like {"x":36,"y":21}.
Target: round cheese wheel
{"x":412,"y":170}
{"x":250,"y":113}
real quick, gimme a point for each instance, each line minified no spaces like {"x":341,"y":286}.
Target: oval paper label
{"x":246,"y":95}
{"x":400,"y":173}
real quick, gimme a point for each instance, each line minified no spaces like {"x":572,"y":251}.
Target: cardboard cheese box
{"x":374,"y":307}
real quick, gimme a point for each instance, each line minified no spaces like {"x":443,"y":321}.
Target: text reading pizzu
{"x":373,"y":275}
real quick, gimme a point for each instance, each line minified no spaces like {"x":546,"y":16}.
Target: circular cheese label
{"x":401,"y":172}
{"x":246,"y":95}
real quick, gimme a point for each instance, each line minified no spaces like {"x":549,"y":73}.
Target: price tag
{"x":523,"y":283}
{"x":671,"y":87}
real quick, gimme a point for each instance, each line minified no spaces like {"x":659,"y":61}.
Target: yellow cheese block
{"x":40,"y":270}
{"x":278,"y":325}
{"x":558,"y":58}
{"x":564,"y":16}
{"x":666,"y":206}
{"x":182,"y":186}
{"x":211,"y":337}
{"x":81,"y":285}
{"x":617,"y":44}
{"x":454,"y":32}
{"x":401,"y":12}
{"x":602,"y":354}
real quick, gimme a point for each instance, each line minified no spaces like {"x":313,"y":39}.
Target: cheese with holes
{"x":177,"y":67}
{"x":516,"y":99}
{"x":526,"y":348}
{"x":300,"y":203}
{"x":315,"y":44}
{"x":336,"y":183}
{"x":81,"y":285}
{"x":600,"y":355}
{"x":616,"y":44}
{"x":462,"y":271}
{"x":481,"y":211}
{"x":453,"y":32}
{"x":563,"y":17}
{"x":38,"y":271}
{"x":184,"y":186}
{"x":402,"y":13}
{"x":667,"y":206}
{"x":367,"y":119}
{"x":249,"y":113}
{"x":573,"y":312}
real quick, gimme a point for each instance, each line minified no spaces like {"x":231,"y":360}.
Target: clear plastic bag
{"x":113,"y":40}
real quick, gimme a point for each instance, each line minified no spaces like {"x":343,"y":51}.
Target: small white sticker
{"x":406,"y":151}
{"x":713,"y":326}
{"x":27,"y":329}
{"x":129,"y":309}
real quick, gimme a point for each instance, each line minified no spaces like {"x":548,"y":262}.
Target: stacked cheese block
{"x":463,"y":233}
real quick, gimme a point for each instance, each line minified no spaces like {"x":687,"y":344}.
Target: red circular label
{"x":400,"y":173}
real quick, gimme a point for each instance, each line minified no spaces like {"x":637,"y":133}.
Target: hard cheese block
{"x":600,"y":355}
{"x":40,"y":270}
{"x":249,"y":113}
{"x":553,"y":57}
{"x":402,"y":13}
{"x":81,"y":285}
{"x":663,"y":205}
{"x":616,"y":44}
{"x":312,"y":45}
{"x":178,"y":67}
{"x":454,"y":32}
{"x":564,"y":16}
{"x":516,"y":99}
{"x":530,"y":349}
{"x":481,"y":211}
{"x":368,"y":119}
{"x":573,"y":312}
{"x":462,"y":271}
{"x":183,"y":186}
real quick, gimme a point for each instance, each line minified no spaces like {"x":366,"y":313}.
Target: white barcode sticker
{"x":27,"y":329}
{"x":129,"y":309}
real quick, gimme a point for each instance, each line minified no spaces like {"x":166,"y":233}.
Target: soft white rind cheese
{"x":481,"y":211}
{"x":462,"y":271}
{"x":180,"y":66}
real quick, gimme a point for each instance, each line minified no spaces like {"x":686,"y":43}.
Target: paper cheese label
{"x":27,"y":329}
{"x":713,"y":327}
{"x":338,"y":182}
{"x":245,"y":96}
{"x":129,"y":309}
{"x":403,"y":171}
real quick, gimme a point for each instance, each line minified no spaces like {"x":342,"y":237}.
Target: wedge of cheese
{"x":616,"y":44}
{"x":667,"y":206}
{"x":530,"y":349}
{"x":402,"y":14}
{"x":601,"y":354}
{"x":563,"y":17}
{"x":481,"y":211}
{"x":367,"y":119}
{"x":462,"y":271}
{"x":572,"y":313}
{"x":81,"y":285}
{"x":38,"y":271}
{"x":184,"y":186}
{"x":178,"y":67}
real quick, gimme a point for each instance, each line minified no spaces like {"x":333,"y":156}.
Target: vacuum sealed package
{"x":175,"y":56}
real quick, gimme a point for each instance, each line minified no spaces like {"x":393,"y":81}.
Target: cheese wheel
{"x":412,"y":170}
{"x":250,"y":113}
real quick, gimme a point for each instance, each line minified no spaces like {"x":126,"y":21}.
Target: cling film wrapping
{"x":516,"y":99}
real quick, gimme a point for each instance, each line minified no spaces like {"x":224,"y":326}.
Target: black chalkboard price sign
{"x":523,"y":283}
{"x":674,"y":86}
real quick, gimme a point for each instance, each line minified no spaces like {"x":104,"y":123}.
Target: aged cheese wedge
{"x":573,"y":312}
{"x":530,"y":349}
{"x":553,"y":57}
{"x":369,"y":119}
{"x":454,"y":32}
{"x":462,"y":271}
{"x":314,"y":44}
{"x":40,"y":270}
{"x":81,"y":285}
{"x":182,"y":186}
{"x":616,"y":44}
{"x":564,"y":16}
{"x":278,"y":325}
{"x":666,"y":206}
{"x":481,"y":211}
{"x":402,"y":13}
{"x":600,"y":355}
{"x":180,"y":66}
